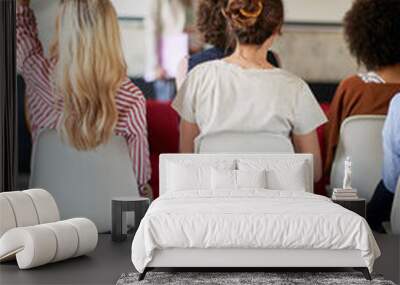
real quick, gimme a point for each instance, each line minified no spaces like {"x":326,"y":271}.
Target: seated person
{"x":212,"y":24}
{"x":371,"y":30}
{"x":83,"y":89}
{"x":244,"y":92}
{"x":380,"y":206}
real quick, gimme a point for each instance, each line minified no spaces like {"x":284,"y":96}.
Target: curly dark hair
{"x":254,"y":21}
{"x":211,"y":23}
{"x":372,"y":31}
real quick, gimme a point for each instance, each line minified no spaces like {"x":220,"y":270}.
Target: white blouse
{"x":222,"y":97}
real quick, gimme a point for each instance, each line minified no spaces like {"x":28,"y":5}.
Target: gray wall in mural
{"x":316,"y":52}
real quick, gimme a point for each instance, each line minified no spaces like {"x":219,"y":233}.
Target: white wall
{"x":305,"y":51}
{"x":320,"y":11}
{"x":130,"y":8}
{"x":46,"y":14}
{"x":316,"y":54}
{"x":132,"y":31}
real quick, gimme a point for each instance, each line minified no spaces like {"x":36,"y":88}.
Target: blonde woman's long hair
{"x":89,"y":70}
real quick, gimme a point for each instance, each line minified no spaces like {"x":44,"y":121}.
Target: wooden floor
{"x":110,"y":260}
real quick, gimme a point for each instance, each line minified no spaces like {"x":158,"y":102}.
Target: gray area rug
{"x":269,"y":278}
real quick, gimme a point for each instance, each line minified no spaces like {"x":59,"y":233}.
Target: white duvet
{"x":250,"y":219}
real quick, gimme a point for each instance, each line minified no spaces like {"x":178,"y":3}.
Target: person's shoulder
{"x":289,"y":78}
{"x":130,"y":102}
{"x":205,"y":68}
{"x":393,"y":116}
{"x":287,"y":74}
{"x":208,"y":64}
{"x":205,"y":56}
{"x":395,"y":103}
{"x":351,"y":82}
{"x":350,"y":87}
{"x":129,"y":93}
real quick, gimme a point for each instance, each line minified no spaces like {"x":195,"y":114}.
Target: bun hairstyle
{"x":244,"y":14}
{"x":254,"y":21}
{"x":212,"y":24}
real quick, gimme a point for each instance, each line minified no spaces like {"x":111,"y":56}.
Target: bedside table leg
{"x":117,"y":223}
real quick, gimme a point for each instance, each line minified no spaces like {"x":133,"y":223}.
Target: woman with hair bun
{"x":212,"y":26}
{"x":244,"y":92}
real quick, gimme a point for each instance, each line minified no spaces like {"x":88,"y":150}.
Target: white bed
{"x":248,"y":227}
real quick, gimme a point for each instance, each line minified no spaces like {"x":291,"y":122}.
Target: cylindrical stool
{"x":120,"y":206}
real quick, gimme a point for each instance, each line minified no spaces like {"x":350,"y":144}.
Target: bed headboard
{"x":165,"y":158}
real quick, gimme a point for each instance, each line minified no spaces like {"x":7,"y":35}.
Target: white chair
{"x":395,"y":216}
{"x":31,"y":231}
{"x":238,"y":142}
{"x":83,"y":183}
{"x":360,"y":139}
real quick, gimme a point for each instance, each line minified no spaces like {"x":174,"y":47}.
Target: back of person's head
{"x":212,"y":24}
{"x":372,"y":30}
{"x":252,"y":22}
{"x":89,"y":70}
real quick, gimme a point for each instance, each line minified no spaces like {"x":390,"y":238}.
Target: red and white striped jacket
{"x":45,"y":111}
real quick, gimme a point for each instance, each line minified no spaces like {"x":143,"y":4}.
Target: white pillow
{"x":286,"y":174}
{"x":251,"y":178}
{"x":187,"y":175}
{"x":238,"y":179}
{"x":223,"y":179}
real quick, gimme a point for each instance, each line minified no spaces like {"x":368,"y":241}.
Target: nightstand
{"x":357,"y":206}
{"x":122,"y":205}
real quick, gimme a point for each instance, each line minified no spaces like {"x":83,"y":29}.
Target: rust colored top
{"x":354,"y":97}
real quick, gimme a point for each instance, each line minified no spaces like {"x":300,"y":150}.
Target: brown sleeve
{"x":336,"y":115}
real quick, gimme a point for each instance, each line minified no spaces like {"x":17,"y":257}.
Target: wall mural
{"x":313,"y":28}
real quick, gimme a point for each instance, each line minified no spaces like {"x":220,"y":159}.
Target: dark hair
{"x":254,"y":21}
{"x":372,"y":31}
{"x":212,"y":23}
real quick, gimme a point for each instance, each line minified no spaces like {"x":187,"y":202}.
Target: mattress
{"x":250,"y":219}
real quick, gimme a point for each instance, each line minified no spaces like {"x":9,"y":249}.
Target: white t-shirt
{"x":222,"y":97}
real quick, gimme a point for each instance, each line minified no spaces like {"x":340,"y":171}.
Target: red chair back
{"x":163,"y":129}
